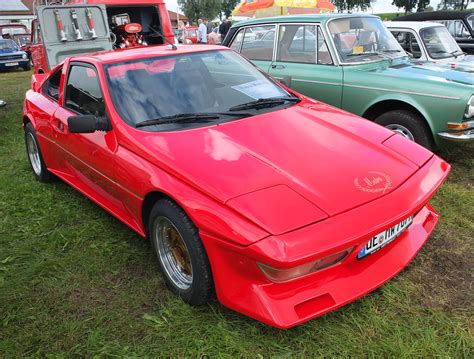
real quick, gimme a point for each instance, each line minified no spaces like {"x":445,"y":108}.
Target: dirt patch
{"x":443,"y":272}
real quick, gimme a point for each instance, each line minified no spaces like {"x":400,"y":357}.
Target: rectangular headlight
{"x":283,"y":275}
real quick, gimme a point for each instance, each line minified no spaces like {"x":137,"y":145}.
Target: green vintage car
{"x":353,"y":62}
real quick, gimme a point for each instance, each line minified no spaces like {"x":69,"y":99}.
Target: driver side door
{"x":88,"y":157}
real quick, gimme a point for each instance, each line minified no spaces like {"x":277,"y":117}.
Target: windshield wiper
{"x":189,"y":117}
{"x":264,"y":102}
{"x":391,"y":50}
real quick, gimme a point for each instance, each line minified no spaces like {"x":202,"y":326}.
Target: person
{"x":202,"y":32}
{"x":225,"y":27}
{"x":182,"y":32}
{"x":208,"y":26}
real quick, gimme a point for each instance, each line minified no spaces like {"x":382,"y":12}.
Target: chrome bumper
{"x":458,"y":136}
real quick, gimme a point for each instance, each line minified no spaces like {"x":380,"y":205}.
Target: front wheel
{"x":181,"y":254}
{"x":408,"y":125}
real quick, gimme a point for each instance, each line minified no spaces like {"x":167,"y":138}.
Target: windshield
{"x":363,"y":39}
{"x":439,"y":42}
{"x":13,"y":30}
{"x":8,"y":45}
{"x":208,"y":82}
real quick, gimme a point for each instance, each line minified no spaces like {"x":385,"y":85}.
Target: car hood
{"x":441,"y":73}
{"x":314,"y":156}
{"x":463,"y":64}
{"x":10,"y":52}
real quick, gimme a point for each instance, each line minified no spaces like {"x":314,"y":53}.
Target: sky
{"x":380,"y":6}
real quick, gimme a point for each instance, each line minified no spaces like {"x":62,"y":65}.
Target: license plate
{"x":12,"y":64}
{"x":384,"y":238}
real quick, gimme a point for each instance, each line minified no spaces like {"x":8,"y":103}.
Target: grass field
{"x":74,"y":281}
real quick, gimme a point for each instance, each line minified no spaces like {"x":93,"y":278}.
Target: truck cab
{"x":65,"y":29}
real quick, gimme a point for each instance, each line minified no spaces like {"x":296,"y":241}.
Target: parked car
{"x":430,"y":42}
{"x":205,"y":155}
{"x":191,"y":37}
{"x":356,"y":64}
{"x":459,"y":23}
{"x":11,"y":57}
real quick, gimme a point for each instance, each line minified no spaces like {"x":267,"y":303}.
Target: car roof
{"x":415,"y":25}
{"x":107,"y":57}
{"x":435,"y":15}
{"x":299,"y":18}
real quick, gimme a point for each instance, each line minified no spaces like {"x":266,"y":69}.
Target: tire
{"x":35,"y":156}
{"x":181,"y":254}
{"x":28,"y":66}
{"x":408,"y":125}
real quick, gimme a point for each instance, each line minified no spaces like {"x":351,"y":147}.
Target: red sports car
{"x":284,"y":207}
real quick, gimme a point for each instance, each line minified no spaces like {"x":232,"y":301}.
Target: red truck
{"x":84,"y":26}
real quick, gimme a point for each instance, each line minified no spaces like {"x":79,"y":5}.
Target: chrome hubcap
{"x":173,"y":253}
{"x":402,"y":130}
{"x":33,"y":153}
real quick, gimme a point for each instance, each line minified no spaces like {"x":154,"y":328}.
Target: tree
{"x":228,"y":6}
{"x":422,"y":5}
{"x":198,"y":9}
{"x":408,"y":5}
{"x":349,"y":5}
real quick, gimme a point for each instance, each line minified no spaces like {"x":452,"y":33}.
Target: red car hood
{"x":321,"y":159}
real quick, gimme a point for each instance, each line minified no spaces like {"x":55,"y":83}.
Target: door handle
{"x":278,"y":67}
{"x":59,"y":126}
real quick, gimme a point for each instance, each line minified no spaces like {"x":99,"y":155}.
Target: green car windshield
{"x":363,"y":39}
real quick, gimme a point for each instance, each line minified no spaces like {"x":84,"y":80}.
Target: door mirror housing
{"x":88,"y":124}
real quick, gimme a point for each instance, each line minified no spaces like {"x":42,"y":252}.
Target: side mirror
{"x":87,"y":124}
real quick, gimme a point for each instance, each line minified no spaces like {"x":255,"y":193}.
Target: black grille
{"x":11,"y":57}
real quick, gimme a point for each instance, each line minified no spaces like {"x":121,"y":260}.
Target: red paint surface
{"x":278,"y":188}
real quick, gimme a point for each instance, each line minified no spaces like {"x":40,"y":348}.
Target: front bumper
{"x":458,"y":136}
{"x":21,"y":63}
{"x":240,"y":284}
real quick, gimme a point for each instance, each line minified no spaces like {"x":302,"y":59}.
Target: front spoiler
{"x":240,"y":285}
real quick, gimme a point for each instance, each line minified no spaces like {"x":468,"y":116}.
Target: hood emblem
{"x":374,"y":182}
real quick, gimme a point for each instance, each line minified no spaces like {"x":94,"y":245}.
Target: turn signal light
{"x":458,"y":126}
{"x":283,"y":275}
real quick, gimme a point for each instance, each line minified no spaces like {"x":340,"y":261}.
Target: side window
{"x":324,"y":56}
{"x":257,"y":46}
{"x":83,"y":94}
{"x":297,"y":43}
{"x":51,"y":86}
{"x":237,"y":42}
{"x":408,"y":42}
{"x":457,"y":28}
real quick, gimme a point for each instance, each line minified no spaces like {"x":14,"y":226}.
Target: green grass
{"x":74,"y":281}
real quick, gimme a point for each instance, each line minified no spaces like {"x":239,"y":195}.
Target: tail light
{"x":283,"y":275}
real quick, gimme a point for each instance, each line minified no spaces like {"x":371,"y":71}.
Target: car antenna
{"x":173,"y":46}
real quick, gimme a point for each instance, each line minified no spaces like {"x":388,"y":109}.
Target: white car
{"x":430,"y":42}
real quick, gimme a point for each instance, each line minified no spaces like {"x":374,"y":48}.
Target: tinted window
{"x":83,"y":94}
{"x":51,"y":86}
{"x":257,"y":46}
{"x":200,"y":82}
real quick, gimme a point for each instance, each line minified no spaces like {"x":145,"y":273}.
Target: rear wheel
{"x":408,"y":125}
{"x":34,"y":155}
{"x":181,"y":254}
